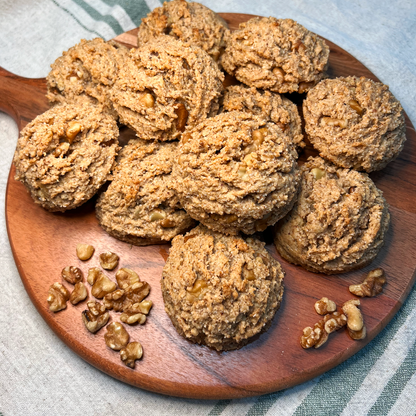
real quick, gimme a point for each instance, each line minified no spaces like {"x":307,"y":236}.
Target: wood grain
{"x":43,"y":243}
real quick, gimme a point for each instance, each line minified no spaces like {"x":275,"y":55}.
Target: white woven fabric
{"x":39,"y":375}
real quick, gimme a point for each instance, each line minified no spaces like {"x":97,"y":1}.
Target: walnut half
{"x":372,"y":284}
{"x":95,"y":317}
{"x":57,"y":297}
{"x":132,"y":352}
{"x":116,"y":336}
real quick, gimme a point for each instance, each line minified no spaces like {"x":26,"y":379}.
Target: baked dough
{"x":64,"y":155}
{"x":88,"y":70}
{"x":165,"y":86}
{"x":339,"y":222}
{"x":355,"y":123}
{"x":192,"y":23}
{"x":275,"y":54}
{"x":140,"y":207}
{"x":220,"y":290}
{"x":236,"y":172}
{"x":272,"y":106}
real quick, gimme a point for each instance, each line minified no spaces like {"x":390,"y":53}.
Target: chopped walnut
{"x":324,"y":306}
{"x":95,"y":317}
{"x":372,"y":284}
{"x":85,"y":251}
{"x":334,"y":321}
{"x":121,"y":300}
{"x":78,"y":294}
{"x":72,"y":274}
{"x":136,"y":313}
{"x":116,"y":336}
{"x":314,"y":337}
{"x":132,"y":352}
{"x":57,"y":297}
{"x":126,"y":277}
{"x":318,"y":335}
{"x":109,"y":260}
{"x":355,"y":323}
{"x":93,"y":274}
{"x":102,"y":286}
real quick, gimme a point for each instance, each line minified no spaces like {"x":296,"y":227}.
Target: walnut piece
{"x":314,"y":337}
{"x":355,"y":323}
{"x":78,"y":294}
{"x":72,"y":274}
{"x":372,"y":284}
{"x":102,"y":286}
{"x":95,"y":317}
{"x":324,"y":306}
{"x":136,"y":313}
{"x":57,"y":297}
{"x":126,"y":277}
{"x":121,"y":300}
{"x":334,"y":321}
{"x":132,"y":352}
{"x":93,"y":275}
{"x":318,"y":335}
{"x":116,"y":336}
{"x":85,"y":251}
{"x":109,"y":260}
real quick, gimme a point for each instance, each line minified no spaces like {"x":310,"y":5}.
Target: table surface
{"x":40,"y":374}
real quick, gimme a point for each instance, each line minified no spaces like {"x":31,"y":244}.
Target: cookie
{"x":140,"y":207}
{"x":355,"y":123}
{"x":272,"y":106}
{"x":66,"y":154}
{"x":279,"y":55}
{"x":88,"y":70}
{"x":236,"y":172}
{"x":166,"y":86}
{"x":220,"y":291}
{"x":192,"y":23}
{"x":339,"y":222}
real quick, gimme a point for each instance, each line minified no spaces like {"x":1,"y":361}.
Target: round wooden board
{"x":43,"y":243}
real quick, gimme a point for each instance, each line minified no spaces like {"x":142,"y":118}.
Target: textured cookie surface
{"x":339,"y":222}
{"x":165,"y":86}
{"x":192,"y":23}
{"x":275,"y":54}
{"x":220,"y":290}
{"x":139,"y":207}
{"x":236,"y":172}
{"x":272,"y":106}
{"x":355,"y":123}
{"x":65,"y":154}
{"x":88,"y":69}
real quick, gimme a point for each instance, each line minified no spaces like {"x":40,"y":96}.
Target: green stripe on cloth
{"x":135,"y":9}
{"x":264,"y":404}
{"x":98,"y":16}
{"x":327,"y":394}
{"x":77,"y":20}
{"x":219,"y":407}
{"x":395,"y":385}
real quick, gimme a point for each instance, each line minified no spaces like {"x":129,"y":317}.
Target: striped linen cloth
{"x":39,"y":375}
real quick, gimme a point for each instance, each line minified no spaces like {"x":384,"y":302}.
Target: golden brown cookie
{"x":279,"y":55}
{"x":272,"y":106}
{"x":166,"y":86}
{"x":88,"y":69}
{"x":236,"y":172}
{"x":355,"y":123}
{"x":65,"y":154}
{"x":140,"y":207}
{"x":219,"y":290}
{"x":192,"y":23}
{"x":339,"y":222}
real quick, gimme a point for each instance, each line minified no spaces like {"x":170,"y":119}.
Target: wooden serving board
{"x":44,"y":243}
